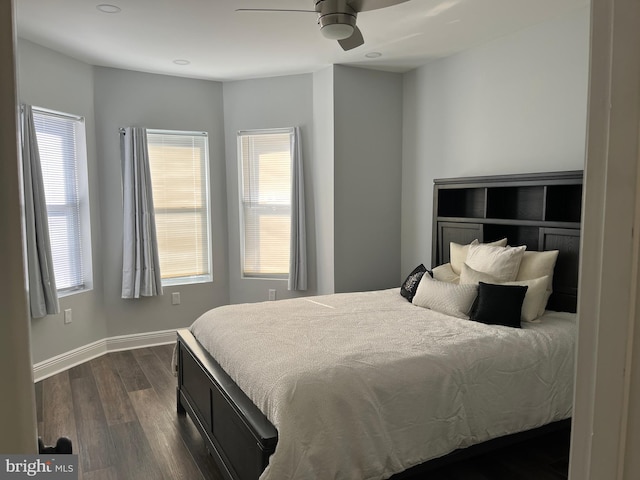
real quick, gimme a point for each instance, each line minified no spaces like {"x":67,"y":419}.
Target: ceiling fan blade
{"x":355,"y":40}
{"x":271,"y":10}
{"x":366,"y":5}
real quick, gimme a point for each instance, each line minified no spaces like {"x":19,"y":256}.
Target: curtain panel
{"x":43,"y":295}
{"x":298,"y":245}
{"x":140,"y":262}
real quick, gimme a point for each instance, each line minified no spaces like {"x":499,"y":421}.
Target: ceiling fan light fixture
{"x":337,"y":26}
{"x":107,"y":8}
{"x":337,"y":31}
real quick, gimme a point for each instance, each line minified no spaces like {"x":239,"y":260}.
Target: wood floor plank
{"x":105,"y":474}
{"x":132,"y":376}
{"x":196,"y":446}
{"x":163,"y":436}
{"x":165,"y":355}
{"x":134,"y":458}
{"x":58,"y":410}
{"x":95,"y":448}
{"x":39,"y":411}
{"x":160,"y":378}
{"x":80,"y":371}
{"x":164,"y":383}
{"x":113,"y":395}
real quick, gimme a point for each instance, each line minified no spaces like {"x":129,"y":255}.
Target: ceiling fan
{"x":337,"y":18}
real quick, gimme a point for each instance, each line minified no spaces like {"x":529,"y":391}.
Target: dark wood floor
{"x":119,"y":411}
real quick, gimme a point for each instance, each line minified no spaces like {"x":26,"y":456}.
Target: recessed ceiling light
{"x":180,"y":61}
{"x":106,"y":8}
{"x":373,"y":55}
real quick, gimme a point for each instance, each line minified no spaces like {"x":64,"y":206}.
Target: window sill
{"x":69,"y":293}
{"x":271,"y":278}
{"x":172,"y":282}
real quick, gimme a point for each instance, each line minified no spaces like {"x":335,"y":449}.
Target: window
{"x":179,"y":167}
{"x":265,"y":197}
{"x":63,"y":157}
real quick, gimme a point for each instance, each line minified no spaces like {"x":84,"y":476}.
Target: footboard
{"x":238,"y":435}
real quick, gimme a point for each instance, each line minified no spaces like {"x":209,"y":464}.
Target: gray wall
{"x":515,"y":105}
{"x":367,"y":175}
{"x":351,"y":121}
{"x":267,"y":103}
{"x":51,"y":80}
{"x":322,"y":177}
{"x":125,"y":98}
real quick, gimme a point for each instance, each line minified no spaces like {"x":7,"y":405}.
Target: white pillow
{"x":502,"y":263}
{"x":443,"y":297}
{"x":469,"y":276}
{"x":535,"y":298}
{"x":444,"y":273}
{"x":458,"y":253}
{"x":536,"y":265}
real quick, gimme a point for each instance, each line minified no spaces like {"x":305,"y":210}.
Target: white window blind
{"x":265,"y":195}
{"x":61,"y":145}
{"x":179,"y":173}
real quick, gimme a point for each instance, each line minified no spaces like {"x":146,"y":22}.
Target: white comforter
{"x":365,"y":385}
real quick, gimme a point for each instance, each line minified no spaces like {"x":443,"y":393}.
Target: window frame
{"x":83,"y":202}
{"x":271,"y":209}
{"x":208,"y":277}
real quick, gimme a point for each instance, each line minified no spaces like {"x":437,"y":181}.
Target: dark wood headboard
{"x":540,"y":210}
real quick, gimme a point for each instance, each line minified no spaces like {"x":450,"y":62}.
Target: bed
{"x":389,"y":396}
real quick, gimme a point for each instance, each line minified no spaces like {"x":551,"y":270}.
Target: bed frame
{"x":542,"y":211}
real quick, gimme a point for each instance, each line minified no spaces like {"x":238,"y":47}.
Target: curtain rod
{"x":170,"y":132}
{"x":266,"y":131}
{"x":54,"y":113}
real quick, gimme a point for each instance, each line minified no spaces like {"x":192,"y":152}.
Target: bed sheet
{"x":365,"y":385}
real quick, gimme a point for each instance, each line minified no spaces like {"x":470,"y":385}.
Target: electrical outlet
{"x":175,"y":298}
{"x":67,"y":316}
{"x":272,"y":294}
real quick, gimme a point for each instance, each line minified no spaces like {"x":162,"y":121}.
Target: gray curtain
{"x":43,"y":295}
{"x":140,"y":263}
{"x":298,"y":246}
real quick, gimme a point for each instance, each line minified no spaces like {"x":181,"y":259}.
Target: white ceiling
{"x":222,"y":44}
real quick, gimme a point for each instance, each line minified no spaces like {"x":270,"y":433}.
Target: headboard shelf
{"x":539,"y":210}
{"x":504,"y":221}
{"x":463,"y":202}
{"x":517,"y":203}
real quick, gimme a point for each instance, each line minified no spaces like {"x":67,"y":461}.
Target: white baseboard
{"x":64,"y":361}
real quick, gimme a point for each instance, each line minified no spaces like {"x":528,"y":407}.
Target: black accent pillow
{"x":498,"y":304}
{"x":410,"y":285}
